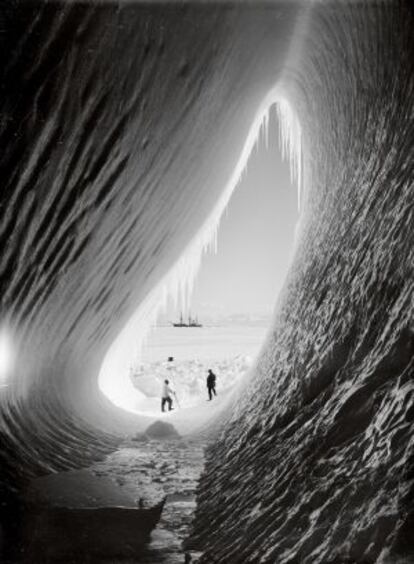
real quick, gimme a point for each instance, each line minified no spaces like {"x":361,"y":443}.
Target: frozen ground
{"x":154,"y":469}
{"x":228,"y":351}
{"x":142,"y":473}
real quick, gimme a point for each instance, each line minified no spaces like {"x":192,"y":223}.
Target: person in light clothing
{"x":167,"y":393}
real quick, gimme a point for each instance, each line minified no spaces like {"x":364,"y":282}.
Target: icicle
{"x":290,"y":142}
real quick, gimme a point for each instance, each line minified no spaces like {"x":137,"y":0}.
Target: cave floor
{"x":149,"y":471}
{"x":140,"y":473}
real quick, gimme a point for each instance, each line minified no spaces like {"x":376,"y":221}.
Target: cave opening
{"x":231,"y":293}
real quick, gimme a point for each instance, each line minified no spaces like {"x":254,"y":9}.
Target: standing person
{"x":170,"y":373}
{"x":211,"y":384}
{"x":167,"y":392}
{"x":170,"y":368}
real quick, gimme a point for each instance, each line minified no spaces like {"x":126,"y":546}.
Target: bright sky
{"x":255,"y":240}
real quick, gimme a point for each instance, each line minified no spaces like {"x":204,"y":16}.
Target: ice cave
{"x":125,"y":127}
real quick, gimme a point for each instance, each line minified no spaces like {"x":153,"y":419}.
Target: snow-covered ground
{"x":228,"y":351}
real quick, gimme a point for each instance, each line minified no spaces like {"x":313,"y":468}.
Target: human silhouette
{"x":211,"y":384}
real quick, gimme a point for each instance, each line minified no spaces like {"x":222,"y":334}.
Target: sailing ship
{"x":192,"y":322}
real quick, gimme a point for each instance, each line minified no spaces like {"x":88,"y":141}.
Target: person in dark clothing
{"x":211,"y":384}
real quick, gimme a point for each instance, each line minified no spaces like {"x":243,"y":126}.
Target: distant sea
{"x":203,"y":343}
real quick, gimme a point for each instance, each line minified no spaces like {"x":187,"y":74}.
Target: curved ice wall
{"x":121,"y":125}
{"x":315,"y":463}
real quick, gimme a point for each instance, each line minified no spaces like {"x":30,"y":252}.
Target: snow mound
{"x":187,"y":378}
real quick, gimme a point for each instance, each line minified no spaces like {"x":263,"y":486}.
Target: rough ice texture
{"x":315,"y":462}
{"x":111,"y":120}
{"x":121,"y":127}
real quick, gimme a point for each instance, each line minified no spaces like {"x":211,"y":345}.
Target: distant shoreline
{"x":212,"y":342}
{"x":263,"y":324}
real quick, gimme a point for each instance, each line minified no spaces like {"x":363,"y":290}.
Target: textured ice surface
{"x":325,"y":426}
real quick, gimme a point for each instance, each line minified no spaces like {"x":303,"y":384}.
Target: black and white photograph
{"x":206,"y":282}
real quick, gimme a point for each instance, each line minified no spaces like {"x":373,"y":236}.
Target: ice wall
{"x":120,"y":131}
{"x":314,"y":464}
